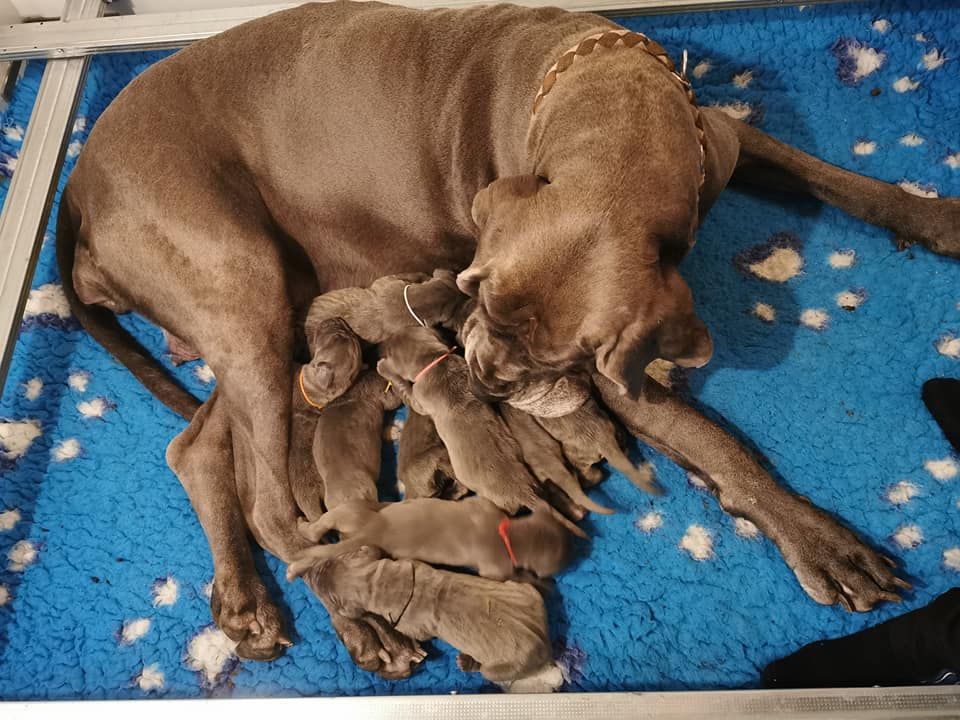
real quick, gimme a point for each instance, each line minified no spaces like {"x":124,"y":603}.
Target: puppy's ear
{"x":386,"y":370}
{"x":624,"y":358}
{"x":318,"y":378}
{"x":501,"y":194}
{"x":446,"y":276}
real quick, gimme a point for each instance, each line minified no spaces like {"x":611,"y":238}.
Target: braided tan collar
{"x":611,"y":39}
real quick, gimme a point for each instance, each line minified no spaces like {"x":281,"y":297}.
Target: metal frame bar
{"x":859,"y":704}
{"x":34,"y":183}
{"x":67,"y":43}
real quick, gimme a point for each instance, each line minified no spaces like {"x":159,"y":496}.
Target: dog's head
{"x":345,"y":582}
{"x":562,"y":285}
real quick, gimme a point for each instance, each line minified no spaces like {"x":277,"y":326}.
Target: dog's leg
{"x":831,"y":563}
{"x":202,"y":458}
{"x":931,"y":222}
{"x":399,"y":653}
{"x":306,"y":483}
{"x":250,"y":349}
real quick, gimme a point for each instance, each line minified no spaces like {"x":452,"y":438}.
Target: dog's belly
{"x":356,"y":256}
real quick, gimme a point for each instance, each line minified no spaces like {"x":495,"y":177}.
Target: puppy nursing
{"x":453,"y":443}
{"x":423,"y":463}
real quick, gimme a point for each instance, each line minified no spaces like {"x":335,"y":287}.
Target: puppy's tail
{"x":102,"y":324}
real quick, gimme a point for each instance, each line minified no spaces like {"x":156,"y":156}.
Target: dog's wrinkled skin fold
{"x":500,"y":626}
{"x":354,"y":140}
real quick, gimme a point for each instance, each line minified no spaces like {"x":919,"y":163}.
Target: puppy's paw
{"x":467,"y":664}
{"x":246,"y":615}
{"x":591,"y":474}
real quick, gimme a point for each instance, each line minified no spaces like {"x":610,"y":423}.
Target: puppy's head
{"x":437,"y":300}
{"x":564,"y":284}
{"x":335,"y":363}
{"x":542,"y":545}
{"x":346,"y":580}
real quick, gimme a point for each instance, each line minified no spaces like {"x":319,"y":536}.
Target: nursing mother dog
{"x":331,"y":144}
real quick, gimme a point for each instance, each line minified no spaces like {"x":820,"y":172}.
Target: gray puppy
{"x":544,"y":456}
{"x":335,"y":450}
{"x":390,"y":304}
{"x":434,"y":382}
{"x":335,"y":362}
{"x":423,"y":463}
{"x":500,"y":628}
{"x":471,"y":533}
{"x":588,"y":437}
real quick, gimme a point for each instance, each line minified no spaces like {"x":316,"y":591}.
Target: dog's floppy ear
{"x":623,"y":359}
{"x":496,"y":194}
{"x":469,"y":280}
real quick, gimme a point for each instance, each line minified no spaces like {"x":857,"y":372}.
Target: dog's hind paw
{"x":246,"y":615}
{"x":834,"y":566}
{"x":931,"y":222}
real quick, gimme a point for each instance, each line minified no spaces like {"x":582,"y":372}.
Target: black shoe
{"x":918,"y":648}
{"x":942,"y":398}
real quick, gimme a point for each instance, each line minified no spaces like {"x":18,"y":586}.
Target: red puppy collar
{"x":436,"y":362}
{"x":504,"y":535}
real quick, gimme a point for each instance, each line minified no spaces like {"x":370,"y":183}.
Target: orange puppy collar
{"x":303,"y":391}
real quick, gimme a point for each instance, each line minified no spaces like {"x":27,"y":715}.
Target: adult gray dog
{"x":331,"y":144}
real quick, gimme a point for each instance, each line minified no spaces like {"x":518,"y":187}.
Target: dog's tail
{"x":102,"y":324}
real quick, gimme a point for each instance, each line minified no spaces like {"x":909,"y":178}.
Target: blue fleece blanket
{"x":823,"y":334}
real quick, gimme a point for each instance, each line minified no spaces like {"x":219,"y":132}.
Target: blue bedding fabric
{"x":824,"y":335}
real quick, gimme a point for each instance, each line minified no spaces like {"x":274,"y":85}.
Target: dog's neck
{"x":614,"y":118}
{"x":624,"y":41}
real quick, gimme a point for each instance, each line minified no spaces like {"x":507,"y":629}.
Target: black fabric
{"x":917,"y":648}
{"x":942,"y":398}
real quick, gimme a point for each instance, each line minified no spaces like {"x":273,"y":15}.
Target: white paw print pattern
{"x":698,"y":542}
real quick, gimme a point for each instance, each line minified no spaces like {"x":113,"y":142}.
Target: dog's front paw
{"x":834,"y":566}
{"x":246,"y":615}
{"x":399,"y":654}
{"x":377,"y":647}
